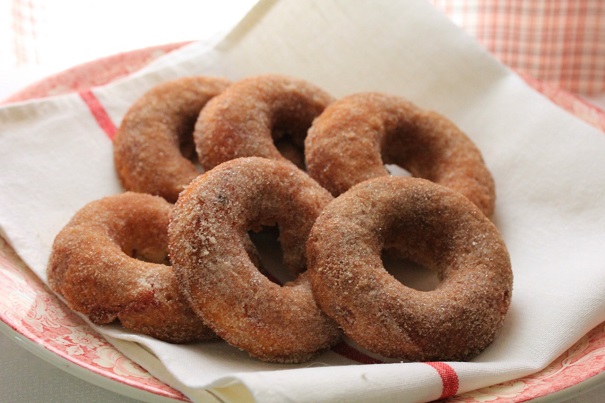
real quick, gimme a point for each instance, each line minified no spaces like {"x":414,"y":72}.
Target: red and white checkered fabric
{"x":25,"y":23}
{"x":559,"y":42}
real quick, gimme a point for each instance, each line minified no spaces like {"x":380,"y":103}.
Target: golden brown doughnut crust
{"x":153,"y":147}
{"x":259,"y":116}
{"x":110,"y":261}
{"x":433,"y":226}
{"x":207,"y":237}
{"x":356,"y":135}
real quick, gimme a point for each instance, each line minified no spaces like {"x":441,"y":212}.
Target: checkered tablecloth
{"x":558,"y":42}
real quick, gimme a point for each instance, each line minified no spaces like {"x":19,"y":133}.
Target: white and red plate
{"x":32,"y":314}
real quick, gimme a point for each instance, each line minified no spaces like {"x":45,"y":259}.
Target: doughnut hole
{"x":184,"y":133}
{"x":291,"y":151}
{"x":141,"y":238}
{"x":289,"y":131}
{"x":396,"y":170}
{"x":150,"y":255}
{"x":153,"y":249}
{"x":409,"y":273}
{"x":268,"y":255}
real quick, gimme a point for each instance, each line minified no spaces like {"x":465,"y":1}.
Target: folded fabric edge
{"x":154,"y":366}
{"x":251,"y":19}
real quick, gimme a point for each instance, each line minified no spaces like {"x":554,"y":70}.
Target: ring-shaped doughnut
{"x":263,"y":116}
{"x":207,"y":237}
{"x":358,"y":134}
{"x":110,"y":262}
{"x":432,"y":226}
{"x":153,"y":147}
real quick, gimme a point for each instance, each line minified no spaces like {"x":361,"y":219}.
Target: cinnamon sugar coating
{"x":110,"y":262}
{"x":264,"y":116}
{"x":153,"y":147}
{"x":208,"y":243}
{"x":433,"y":226}
{"x":356,"y":135}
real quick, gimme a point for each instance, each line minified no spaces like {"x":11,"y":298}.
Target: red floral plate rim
{"x":34,"y":316}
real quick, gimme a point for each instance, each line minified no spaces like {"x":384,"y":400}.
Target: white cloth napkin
{"x":548,"y":167}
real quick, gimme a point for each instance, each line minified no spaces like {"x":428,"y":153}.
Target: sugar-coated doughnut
{"x":207,"y":237}
{"x":358,"y":134}
{"x":264,"y":116}
{"x":432,"y":226}
{"x":110,"y":262}
{"x":153,"y":147}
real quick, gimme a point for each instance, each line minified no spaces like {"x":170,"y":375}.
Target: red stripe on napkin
{"x":99,"y":113}
{"x":448,"y":377}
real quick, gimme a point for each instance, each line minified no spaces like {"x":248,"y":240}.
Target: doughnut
{"x":153,"y":147}
{"x":110,"y":262}
{"x":433,"y":226}
{"x":262,"y":116}
{"x":207,"y":236}
{"x":358,"y":134}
